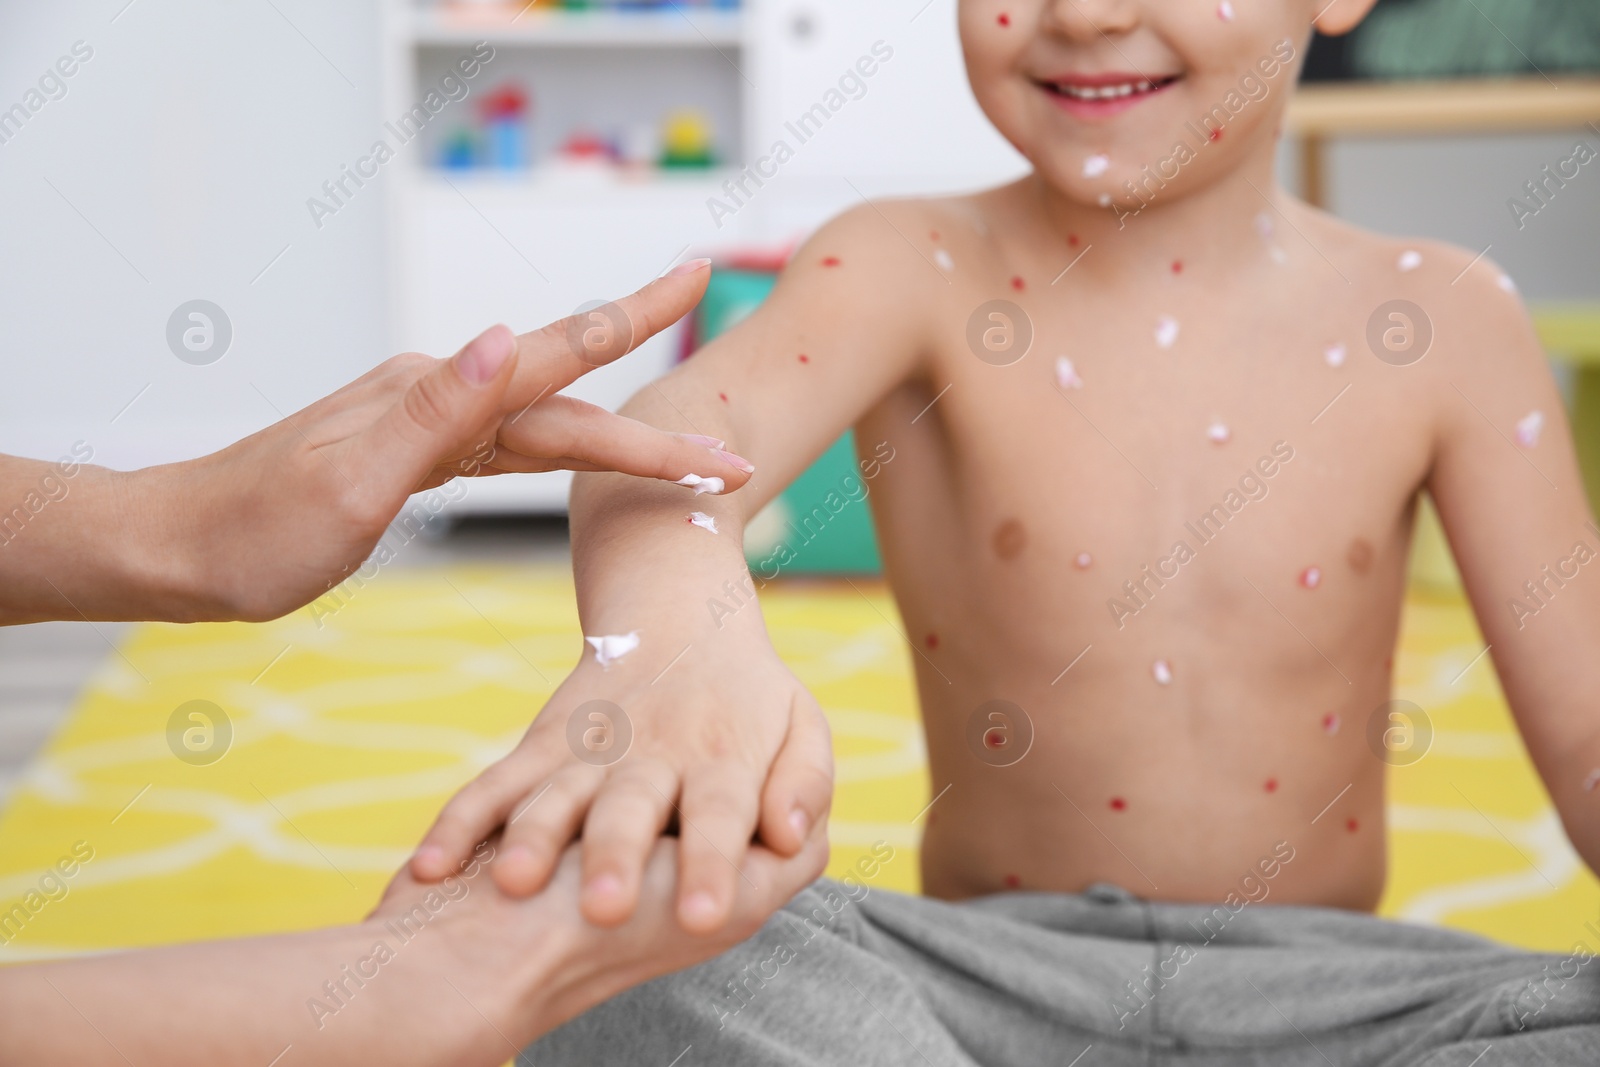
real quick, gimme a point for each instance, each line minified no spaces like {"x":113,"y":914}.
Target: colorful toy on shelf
{"x":505,"y":118}
{"x":585,"y":148}
{"x":686,"y":139}
{"x":460,"y":150}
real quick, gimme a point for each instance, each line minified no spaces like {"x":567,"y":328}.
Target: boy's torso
{"x":1178,"y":563}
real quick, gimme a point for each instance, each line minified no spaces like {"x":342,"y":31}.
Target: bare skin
{"x":1230,"y":711}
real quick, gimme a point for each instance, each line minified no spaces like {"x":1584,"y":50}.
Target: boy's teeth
{"x":1106,"y":92}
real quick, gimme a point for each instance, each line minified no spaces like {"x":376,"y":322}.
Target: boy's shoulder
{"x":1453,"y":286}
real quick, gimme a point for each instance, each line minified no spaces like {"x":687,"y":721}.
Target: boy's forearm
{"x":641,"y":564}
{"x":84,"y":542}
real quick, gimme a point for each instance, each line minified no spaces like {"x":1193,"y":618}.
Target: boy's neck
{"x":1232,"y":221}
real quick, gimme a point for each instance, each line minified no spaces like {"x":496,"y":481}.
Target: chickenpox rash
{"x":830,"y":261}
{"x":722,"y":397}
{"x":1225,"y":11}
{"x":1004,"y":19}
{"x":1177,"y":266}
{"x":1352,"y":825}
{"x":1311,"y":577}
{"x":1012,"y":881}
{"x":1330,"y":723}
{"x":1118,"y":804}
{"x":804,"y":358}
{"x":702,"y":520}
{"x":934,"y":234}
{"x":1216,"y":134}
{"x":1270,"y":785}
{"x":1018,"y":284}
{"x":1072,"y":240}
{"x":932,"y":641}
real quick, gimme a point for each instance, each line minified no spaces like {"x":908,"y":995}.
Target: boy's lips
{"x":1098,"y":96}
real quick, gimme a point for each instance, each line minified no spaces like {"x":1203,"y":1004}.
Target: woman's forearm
{"x":353,"y":994}
{"x":82,"y":542}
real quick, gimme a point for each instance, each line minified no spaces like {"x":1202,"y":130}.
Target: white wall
{"x":190,"y":141}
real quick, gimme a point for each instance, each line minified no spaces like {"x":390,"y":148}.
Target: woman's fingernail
{"x":798,"y":820}
{"x":702,"y":439}
{"x":605,"y":885}
{"x":699,"y":906}
{"x":485,"y":354}
{"x":736,"y":461}
{"x":689,"y":267}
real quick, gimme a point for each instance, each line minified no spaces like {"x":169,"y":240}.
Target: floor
{"x":43,"y":666}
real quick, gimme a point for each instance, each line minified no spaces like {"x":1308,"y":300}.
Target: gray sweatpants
{"x":848,"y":975}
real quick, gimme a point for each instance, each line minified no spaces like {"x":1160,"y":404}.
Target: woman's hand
{"x":268,"y":524}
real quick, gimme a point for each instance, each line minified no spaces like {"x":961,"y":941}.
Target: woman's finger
{"x":554,"y":357}
{"x":586,"y":437}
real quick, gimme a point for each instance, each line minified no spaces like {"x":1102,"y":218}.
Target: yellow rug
{"x":350,"y":730}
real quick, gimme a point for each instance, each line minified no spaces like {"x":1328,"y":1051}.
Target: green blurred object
{"x":823,"y":518}
{"x":1497,"y":38}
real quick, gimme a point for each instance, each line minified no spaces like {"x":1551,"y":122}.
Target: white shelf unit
{"x":469,"y":248}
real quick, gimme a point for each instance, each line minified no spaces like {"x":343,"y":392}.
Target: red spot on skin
{"x":1177,"y":266}
{"x":995,"y":738}
{"x":1352,"y":825}
{"x":932,"y":640}
{"x":1072,"y":240}
{"x":1118,"y":804}
{"x":1359,"y":556}
{"x":934,"y":234}
{"x":723,"y":397}
{"x":1005,"y":19}
{"x":1012,"y":881}
{"x":1330,"y":723}
{"x":1271,"y":785}
{"x":831,"y":261}
{"x":1216,"y":134}
{"x":1311,"y":577}
{"x":1018,"y":284}
{"x":804,"y":358}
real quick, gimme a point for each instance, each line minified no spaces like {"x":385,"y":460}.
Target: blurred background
{"x":226,"y":211}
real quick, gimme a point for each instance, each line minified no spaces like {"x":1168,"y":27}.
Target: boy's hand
{"x":722,"y":753}
{"x":270,"y":523}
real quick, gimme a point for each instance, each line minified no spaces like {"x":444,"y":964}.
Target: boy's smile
{"x":1100,"y":96}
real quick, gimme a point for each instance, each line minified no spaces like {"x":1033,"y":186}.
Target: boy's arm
{"x":724,"y":740}
{"x":1513,"y":504}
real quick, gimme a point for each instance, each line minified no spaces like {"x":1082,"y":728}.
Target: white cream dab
{"x":1096,"y":165}
{"x":1166,"y":331}
{"x":702,"y":520}
{"x":609,"y":649}
{"x":1330,"y":723}
{"x":702,"y":485}
{"x":1505,"y":282}
{"x":1067,"y":374}
{"x":1219,"y":433}
{"x":1083,"y":561}
{"x":1225,"y":11}
{"x":1592,"y":780}
{"x":1161,"y":670}
{"x":942,"y":258}
{"x":1335,"y":354}
{"x":1529,"y":427}
{"x":1264,"y":225}
{"x":1410,"y":259}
